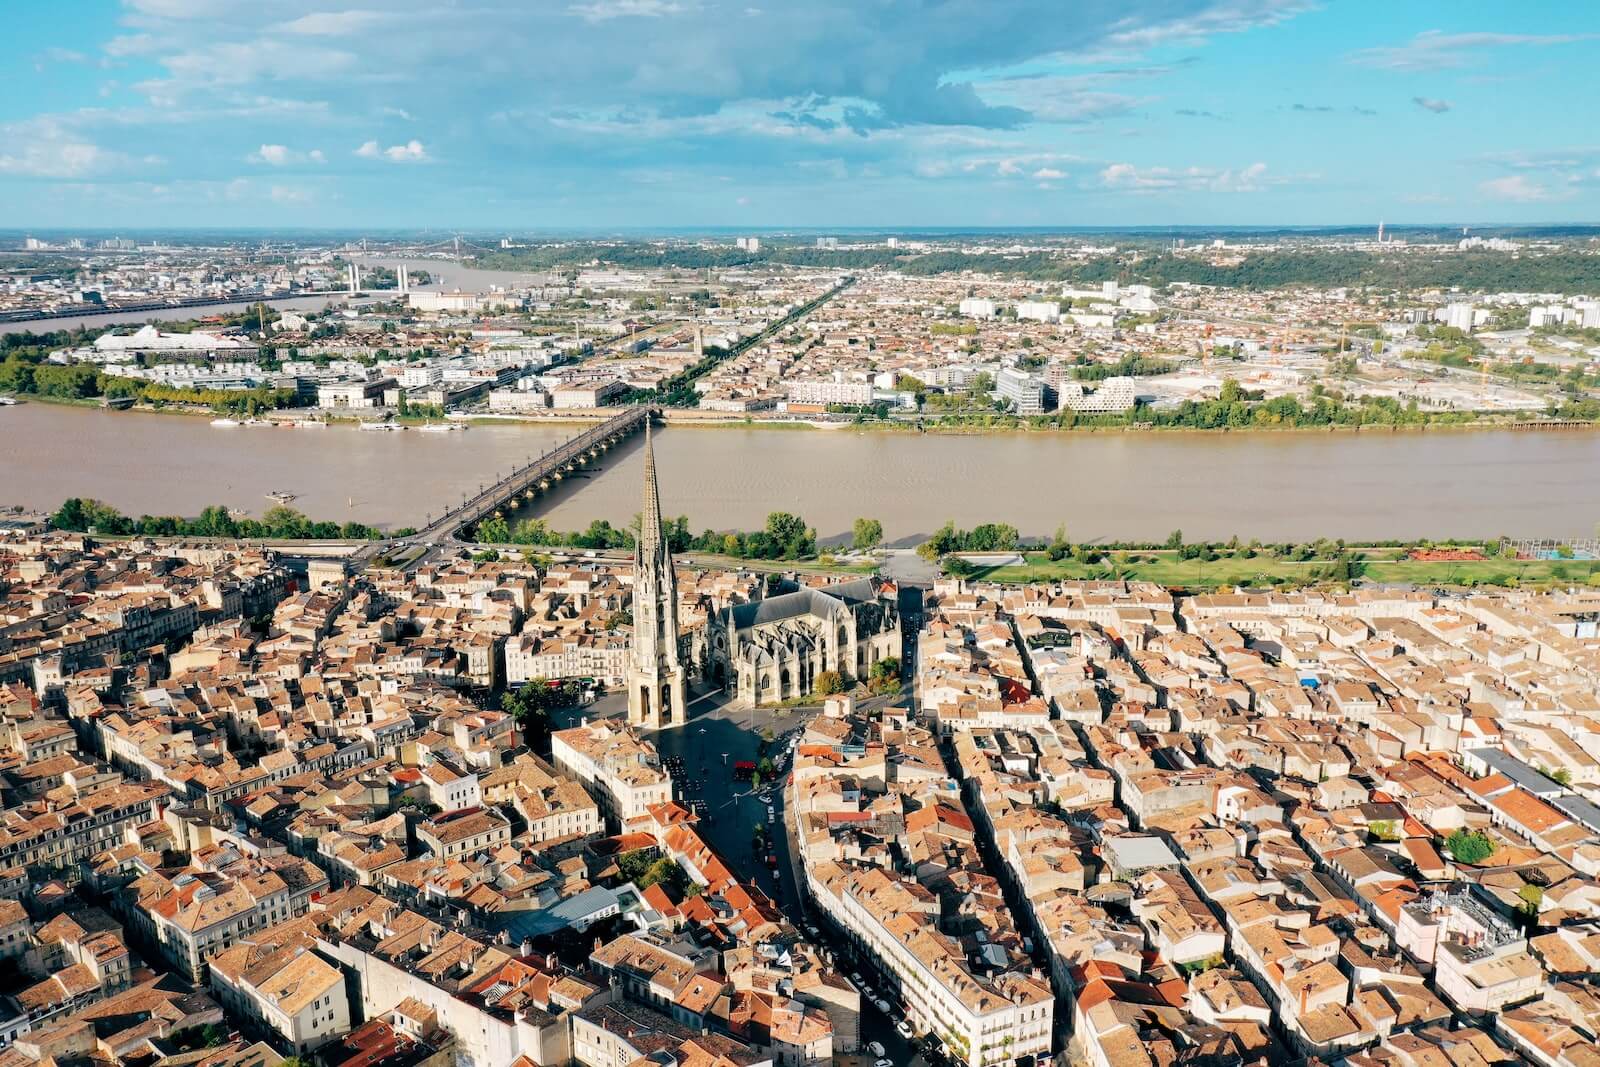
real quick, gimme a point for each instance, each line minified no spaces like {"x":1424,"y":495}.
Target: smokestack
{"x":404,"y":281}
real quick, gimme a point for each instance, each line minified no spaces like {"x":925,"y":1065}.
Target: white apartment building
{"x":620,"y":770}
{"x":601,"y":656}
{"x":208,"y":911}
{"x":977,"y":307}
{"x":357,"y":394}
{"x":588,"y":394}
{"x":420,"y":376}
{"x":1026,"y":392}
{"x":457,"y":301}
{"x":77,"y":831}
{"x":1039,"y":310}
{"x":1113,"y":394}
{"x":981,"y":1020}
{"x":450,"y":788}
{"x":830,"y":391}
{"x":449,"y":837}
{"x":518,"y":401}
{"x":293,"y":992}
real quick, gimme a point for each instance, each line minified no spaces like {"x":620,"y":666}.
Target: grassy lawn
{"x":1378,"y":565}
{"x":804,"y":566}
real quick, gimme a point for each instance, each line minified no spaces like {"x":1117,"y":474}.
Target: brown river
{"x":1287,"y":486}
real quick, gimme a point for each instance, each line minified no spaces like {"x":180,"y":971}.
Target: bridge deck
{"x":492,"y":498}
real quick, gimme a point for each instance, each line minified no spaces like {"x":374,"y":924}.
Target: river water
{"x":1289,"y":486}
{"x":177,"y":314}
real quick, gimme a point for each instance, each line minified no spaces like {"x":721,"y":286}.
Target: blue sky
{"x":522,"y":114}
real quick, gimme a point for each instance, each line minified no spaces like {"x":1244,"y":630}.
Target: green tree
{"x":868,"y":534}
{"x":789,"y":535}
{"x":884,"y":675}
{"x":494,"y":531}
{"x":958,"y":567}
{"x":1059,"y":545}
{"x":1532,"y":897}
{"x":532,"y":704}
{"x":827,"y":683}
{"x":1469,"y":846}
{"x":1175,"y":539}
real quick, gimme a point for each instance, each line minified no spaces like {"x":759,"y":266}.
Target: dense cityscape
{"x":701,"y":533}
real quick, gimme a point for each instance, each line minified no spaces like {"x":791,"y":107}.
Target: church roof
{"x":823,"y":603}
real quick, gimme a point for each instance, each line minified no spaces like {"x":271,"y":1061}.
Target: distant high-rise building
{"x":404,"y":280}
{"x":1028,"y":395}
{"x":827,"y":242}
{"x":1380,"y":231}
{"x":977,"y":307}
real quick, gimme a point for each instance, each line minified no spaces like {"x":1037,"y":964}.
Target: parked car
{"x":903,"y":1028}
{"x":885,"y":1062}
{"x":875,"y":1047}
{"x":883,"y":1005}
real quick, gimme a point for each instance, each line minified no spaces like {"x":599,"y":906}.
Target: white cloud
{"x":277,"y":155}
{"x":605,"y":10}
{"x":62,"y":55}
{"x":1129,"y":178}
{"x":134,"y":44}
{"x":335,"y":23}
{"x":1428,"y":103}
{"x":410,"y":152}
{"x":1435,"y":50}
{"x":1516,"y":187}
{"x":288,"y":194}
{"x":46,"y":148}
{"x":1043,"y":165}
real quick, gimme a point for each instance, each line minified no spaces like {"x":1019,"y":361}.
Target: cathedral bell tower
{"x":656,"y":694}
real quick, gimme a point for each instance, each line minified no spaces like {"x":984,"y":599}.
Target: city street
{"x":702,"y":755}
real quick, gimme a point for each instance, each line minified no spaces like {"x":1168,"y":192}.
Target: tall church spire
{"x":650,"y":514}
{"x":656,"y":691}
